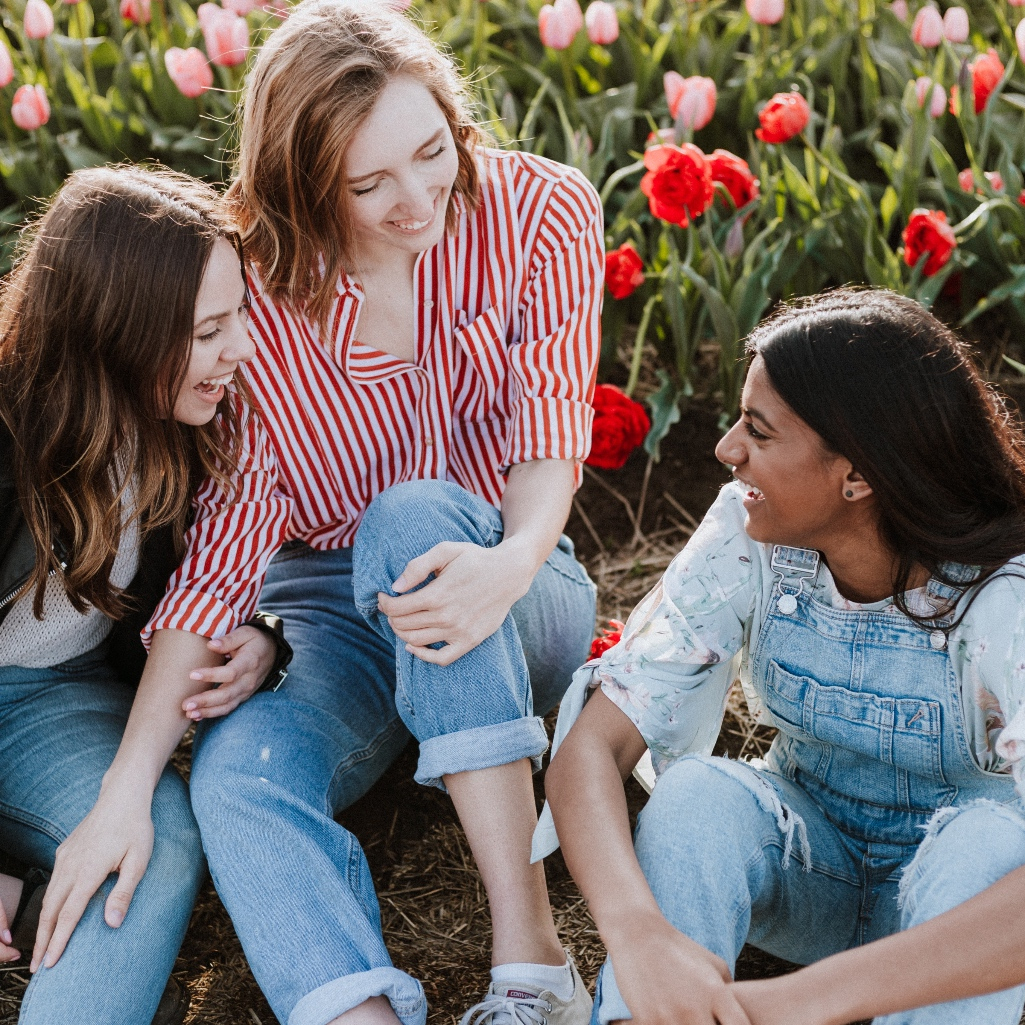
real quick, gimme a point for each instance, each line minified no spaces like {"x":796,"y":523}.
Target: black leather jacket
{"x":157,"y":561}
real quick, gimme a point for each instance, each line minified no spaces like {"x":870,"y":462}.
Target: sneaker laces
{"x":497,"y":1009}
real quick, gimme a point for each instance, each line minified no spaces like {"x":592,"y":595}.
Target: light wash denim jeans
{"x":869,"y":816}
{"x":59,"y":730}
{"x":267,"y":780}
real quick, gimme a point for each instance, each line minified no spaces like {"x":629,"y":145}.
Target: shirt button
{"x":428,"y":304}
{"x":938,"y":639}
{"x":428,"y":441}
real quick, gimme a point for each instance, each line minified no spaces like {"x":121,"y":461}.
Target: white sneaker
{"x":520,"y":1003}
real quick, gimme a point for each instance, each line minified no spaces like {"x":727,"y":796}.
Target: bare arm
{"x":664,"y":977}
{"x":973,"y":949}
{"x":476,"y":587}
{"x":117,"y":834}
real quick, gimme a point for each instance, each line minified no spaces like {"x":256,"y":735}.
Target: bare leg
{"x":375,"y":1011}
{"x":496,"y":809}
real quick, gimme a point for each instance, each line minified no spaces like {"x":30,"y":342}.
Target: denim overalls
{"x":869,"y":814}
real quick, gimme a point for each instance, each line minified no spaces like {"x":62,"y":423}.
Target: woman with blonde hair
{"x":122,"y":328}
{"x":426,"y":315}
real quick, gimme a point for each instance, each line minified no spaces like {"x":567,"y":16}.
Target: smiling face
{"x":797,"y":490}
{"x":400,"y":168}
{"x":220,"y":337}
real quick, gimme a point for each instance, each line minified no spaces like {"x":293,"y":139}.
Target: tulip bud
{"x":899,"y":9}
{"x":1016,"y":3}
{"x":38,"y":19}
{"x":602,"y":23}
{"x":691,"y":100}
{"x":955,"y":24}
{"x":244,"y":7}
{"x":556,"y":27}
{"x":934,"y":93}
{"x":225,"y":35}
{"x":927,"y":30}
{"x":189,"y":71}
{"x":765,"y":12}
{"x":30,"y":109}
{"x":1019,"y":38}
{"x":6,"y":66}
{"x":136,"y":11}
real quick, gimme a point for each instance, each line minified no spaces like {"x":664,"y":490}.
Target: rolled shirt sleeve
{"x":232,"y":540}
{"x":553,"y":364}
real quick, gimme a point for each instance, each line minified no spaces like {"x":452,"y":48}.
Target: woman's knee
{"x":965,"y":850}
{"x":177,"y":857}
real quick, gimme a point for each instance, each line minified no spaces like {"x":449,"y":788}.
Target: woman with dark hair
{"x":122,"y":328}
{"x":865,"y":575}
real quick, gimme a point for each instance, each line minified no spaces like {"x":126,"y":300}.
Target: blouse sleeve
{"x":553,"y":364}
{"x":991,"y":649}
{"x":228,"y":547}
{"x":671,"y":672}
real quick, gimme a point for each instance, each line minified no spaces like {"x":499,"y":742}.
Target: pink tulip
{"x":556,"y":27}
{"x":955,"y":24}
{"x":225,"y":35}
{"x":30,"y":108}
{"x":71,"y":3}
{"x":1017,"y":3}
{"x":1019,"y":38}
{"x":691,"y":100}
{"x":602,"y":23}
{"x":38,"y":19}
{"x":244,"y":7}
{"x":765,"y":12}
{"x":935,"y":93}
{"x":189,"y":71}
{"x":899,"y":9}
{"x":570,"y":9}
{"x":928,"y":27}
{"x":137,"y":11}
{"x":6,"y":66}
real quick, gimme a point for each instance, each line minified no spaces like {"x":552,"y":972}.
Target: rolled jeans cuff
{"x":481,"y":748}
{"x":609,"y":1005}
{"x":327,"y":1002}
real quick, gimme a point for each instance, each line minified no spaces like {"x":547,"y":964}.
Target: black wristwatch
{"x":271,"y":625}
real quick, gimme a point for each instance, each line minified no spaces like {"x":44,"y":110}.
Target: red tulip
{"x":783,"y":117}
{"x":225,"y":35}
{"x":6,"y":66}
{"x":678,"y":183}
{"x":624,"y":271}
{"x":30,"y":109}
{"x":927,"y":29}
{"x":734,"y":173}
{"x":620,"y":425}
{"x":189,"y":71}
{"x":765,"y":12}
{"x":928,"y":232}
{"x":38,"y":19}
{"x":691,"y":100}
{"x":602,"y":23}
{"x":137,"y":11}
{"x":610,"y":637}
{"x":987,"y":70}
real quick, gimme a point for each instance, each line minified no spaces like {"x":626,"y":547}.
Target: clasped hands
{"x":467,"y":601}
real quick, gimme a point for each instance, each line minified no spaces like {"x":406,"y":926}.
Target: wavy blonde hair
{"x":314,"y":82}
{"x":96,"y":326}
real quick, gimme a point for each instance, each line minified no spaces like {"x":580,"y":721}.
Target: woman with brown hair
{"x":426,"y":314}
{"x":122,"y":328}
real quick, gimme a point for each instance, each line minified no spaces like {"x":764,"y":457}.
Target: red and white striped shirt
{"x":507,"y":341}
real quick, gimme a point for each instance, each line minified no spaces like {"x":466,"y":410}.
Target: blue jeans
{"x":267,"y":780}
{"x":718,"y":846}
{"x":59,"y":730}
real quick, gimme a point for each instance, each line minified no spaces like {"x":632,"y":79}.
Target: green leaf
{"x":665,"y":411}
{"x":1020,"y":367}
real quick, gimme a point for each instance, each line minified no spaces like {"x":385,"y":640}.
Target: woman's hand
{"x":250,"y":654}
{"x":473,"y":590}
{"x":666,"y":978}
{"x":116,"y":836}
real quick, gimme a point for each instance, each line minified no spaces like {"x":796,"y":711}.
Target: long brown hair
{"x":313,"y":83}
{"x":96,"y":324}
{"x":891,"y":388}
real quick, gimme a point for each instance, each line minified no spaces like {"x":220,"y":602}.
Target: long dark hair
{"x":96,"y":324}
{"x":892,"y":389}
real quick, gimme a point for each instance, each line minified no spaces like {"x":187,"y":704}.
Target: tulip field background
{"x":746,"y":151}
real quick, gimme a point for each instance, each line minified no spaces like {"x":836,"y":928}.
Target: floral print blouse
{"x":687,"y":640}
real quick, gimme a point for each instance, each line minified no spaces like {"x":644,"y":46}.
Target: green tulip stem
{"x":87,"y":60}
{"x":638,"y":353}
{"x":568,"y":77}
